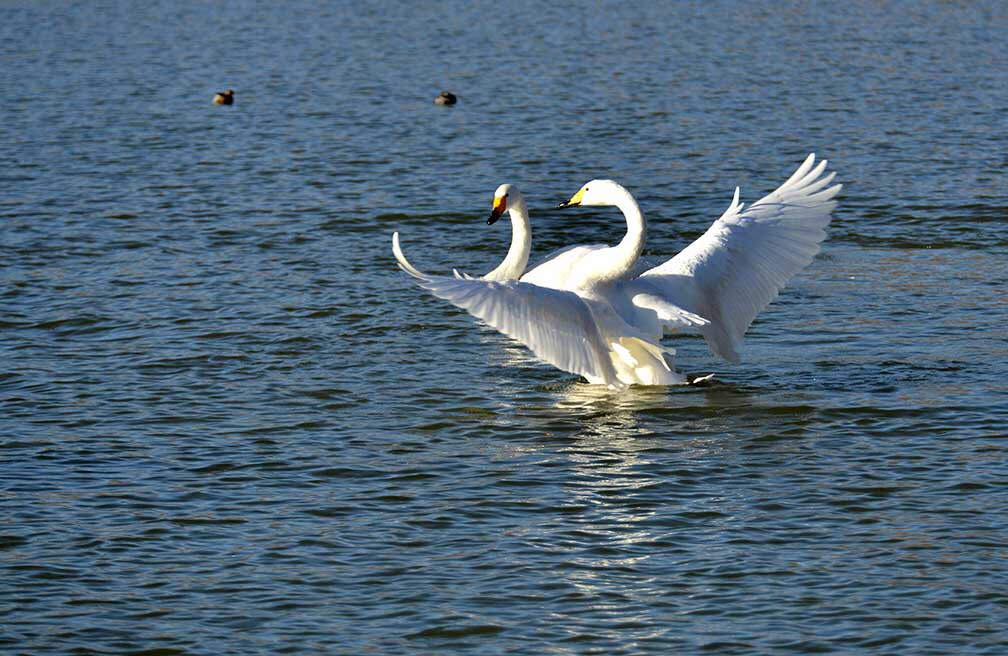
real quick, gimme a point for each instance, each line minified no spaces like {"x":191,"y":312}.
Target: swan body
{"x":590,"y":310}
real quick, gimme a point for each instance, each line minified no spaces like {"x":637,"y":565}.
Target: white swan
{"x":506,"y":198}
{"x":587,"y":312}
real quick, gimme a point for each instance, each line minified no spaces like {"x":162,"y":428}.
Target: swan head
{"x":596,"y":192}
{"x":506,"y":197}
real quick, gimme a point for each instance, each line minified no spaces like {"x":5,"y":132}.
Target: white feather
{"x":571,"y":332}
{"x":595,"y":311}
{"x":743,"y":261}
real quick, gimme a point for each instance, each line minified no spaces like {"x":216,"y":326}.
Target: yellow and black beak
{"x":575,"y":199}
{"x":499,"y":207}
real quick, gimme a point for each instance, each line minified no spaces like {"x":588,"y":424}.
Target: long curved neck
{"x":620,"y":259}
{"x":517,"y":257}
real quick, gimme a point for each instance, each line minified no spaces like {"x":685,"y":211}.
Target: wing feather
{"x":401,"y":260}
{"x":558,"y":326}
{"x":743,"y":261}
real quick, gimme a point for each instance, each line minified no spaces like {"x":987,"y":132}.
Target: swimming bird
{"x":508,"y":199}
{"x":224,"y":97}
{"x":621,"y":340}
{"x":588,"y":311}
{"x":446,"y":98}
{"x":617,"y":352}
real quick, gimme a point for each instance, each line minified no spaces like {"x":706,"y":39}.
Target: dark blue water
{"x":229,"y":424}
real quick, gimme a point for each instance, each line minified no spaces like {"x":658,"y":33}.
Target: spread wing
{"x":736,"y":268}
{"x":558,"y":326}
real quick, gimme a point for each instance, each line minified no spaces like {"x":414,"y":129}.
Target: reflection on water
{"x":683,"y":412}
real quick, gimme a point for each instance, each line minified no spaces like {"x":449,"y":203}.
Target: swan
{"x":588,"y":311}
{"x":507,"y":198}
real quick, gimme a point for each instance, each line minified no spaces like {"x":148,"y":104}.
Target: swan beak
{"x":499,"y":207}
{"x":575,"y":199}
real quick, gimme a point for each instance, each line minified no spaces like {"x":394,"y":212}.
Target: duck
{"x":224,"y":97}
{"x":446,"y":98}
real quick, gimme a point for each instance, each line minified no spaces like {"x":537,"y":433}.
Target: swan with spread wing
{"x":589,"y":310}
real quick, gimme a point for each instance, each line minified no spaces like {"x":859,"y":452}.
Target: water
{"x":229,"y":425}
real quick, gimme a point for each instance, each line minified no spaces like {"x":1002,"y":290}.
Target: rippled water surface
{"x":229,"y":424}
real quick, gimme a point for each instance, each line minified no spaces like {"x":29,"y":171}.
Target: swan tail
{"x":638,"y":361}
{"x":404,"y":264}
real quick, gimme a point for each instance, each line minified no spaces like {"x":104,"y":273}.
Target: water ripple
{"x":231,"y":426}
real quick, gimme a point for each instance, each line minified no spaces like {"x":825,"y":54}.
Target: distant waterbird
{"x":446,"y":98}
{"x":224,"y":97}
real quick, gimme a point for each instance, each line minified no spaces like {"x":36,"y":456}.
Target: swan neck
{"x":624,"y":255}
{"x":633,"y":242}
{"x":517,"y":257}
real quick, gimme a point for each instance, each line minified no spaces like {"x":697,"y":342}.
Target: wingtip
{"x":401,"y":260}
{"x":397,"y":247}
{"x":801,"y":171}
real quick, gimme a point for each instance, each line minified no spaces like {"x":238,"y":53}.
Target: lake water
{"x":230,"y":425}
